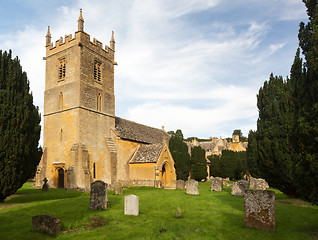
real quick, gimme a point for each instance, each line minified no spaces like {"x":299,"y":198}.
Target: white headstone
{"x":132,"y":205}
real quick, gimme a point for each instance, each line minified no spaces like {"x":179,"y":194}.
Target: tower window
{"x":62,"y":69}
{"x":97,"y":71}
{"x":99,"y":102}
{"x":94,"y":171}
{"x":61,"y":101}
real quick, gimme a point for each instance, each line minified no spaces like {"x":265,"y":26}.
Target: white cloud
{"x":202,"y":78}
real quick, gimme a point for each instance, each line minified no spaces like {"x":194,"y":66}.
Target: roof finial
{"x":112,"y":42}
{"x":48,"y":36}
{"x":80,"y":22}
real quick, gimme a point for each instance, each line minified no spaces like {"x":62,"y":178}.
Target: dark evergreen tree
{"x":215,"y":170}
{"x":284,"y":149}
{"x":252,"y":155}
{"x":180,"y":154}
{"x":304,"y":136}
{"x":19,"y":127}
{"x":198,"y":163}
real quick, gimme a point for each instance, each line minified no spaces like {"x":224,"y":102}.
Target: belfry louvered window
{"x":97,"y":71}
{"x":62,"y":69}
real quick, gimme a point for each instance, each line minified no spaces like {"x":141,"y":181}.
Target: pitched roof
{"x":140,"y":133}
{"x":147,"y":153}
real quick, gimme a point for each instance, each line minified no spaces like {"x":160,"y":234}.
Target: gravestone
{"x":118,"y":188}
{"x":192,"y":187}
{"x":46,"y":223}
{"x":180,"y":184}
{"x":217,"y":184}
{"x":238,"y":188}
{"x":225,"y":181}
{"x":259,"y":209}
{"x":132,"y":205}
{"x":45,"y":186}
{"x":98,"y":197}
{"x":258,"y":183}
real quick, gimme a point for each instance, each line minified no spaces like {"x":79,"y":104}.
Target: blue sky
{"x":195,"y":65}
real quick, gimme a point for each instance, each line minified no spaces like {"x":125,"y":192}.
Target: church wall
{"x":93,"y":128}
{"x":142,"y":171}
{"x":125,"y":150}
{"x":61,"y":132}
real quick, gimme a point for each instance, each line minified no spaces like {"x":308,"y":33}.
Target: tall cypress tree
{"x":19,"y":127}
{"x":284,"y":149}
{"x":180,"y":154}
{"x":306,"y":108}
{"x":198,"y":163}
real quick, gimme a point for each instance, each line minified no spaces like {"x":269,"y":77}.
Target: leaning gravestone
{"x":180,"y":184}
{"x":98,"y":198}
{"x":46,"y":223}
{"x":132,"y":205}
{"x":238,"y":188}
{"x":259,"y":209}
{"x":260,"y":184}
{"x":217,"y":184}
{"x":118,"y":188}
{"x":192,"y":187}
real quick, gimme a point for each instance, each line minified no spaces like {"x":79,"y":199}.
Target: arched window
{"x":61,"y":135}
{"x":97,"y":71}
{"x":94,"y":171}
{"x":62,"y":69}
{"x":61,"y":101}
{"x":99,"y":102}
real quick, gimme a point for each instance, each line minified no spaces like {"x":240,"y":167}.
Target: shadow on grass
{"x":34,"y":195}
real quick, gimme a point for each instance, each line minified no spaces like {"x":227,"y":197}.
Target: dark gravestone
{"x":98,"y":198}
{"x":45,"y":187}
{"x":46,"y":223}
{"x":259,"y":209}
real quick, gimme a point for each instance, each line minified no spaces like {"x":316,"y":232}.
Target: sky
{"x":194,"y":65}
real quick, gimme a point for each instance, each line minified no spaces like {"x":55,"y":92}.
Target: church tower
{"x":79,"y":111}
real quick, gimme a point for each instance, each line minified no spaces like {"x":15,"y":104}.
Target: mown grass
{"x":211,"y":215}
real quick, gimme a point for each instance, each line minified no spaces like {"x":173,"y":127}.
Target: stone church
{"x":83,"y":139}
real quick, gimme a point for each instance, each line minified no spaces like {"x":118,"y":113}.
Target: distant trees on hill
{"x":284,"y":148}
{"x":19,"y":127}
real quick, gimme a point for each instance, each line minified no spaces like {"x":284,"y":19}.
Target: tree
{"x":198,"y":163}
{"x":284,"y":149}
{"x":19,"y":127}
{"x":215,"y":170}
{"x":237,"y":132}
{"x":180,"y":154}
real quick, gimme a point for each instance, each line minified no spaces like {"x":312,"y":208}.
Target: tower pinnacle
{"x":48,"y":36}
{"x":80,"y":22}
{"x":112,"y":42}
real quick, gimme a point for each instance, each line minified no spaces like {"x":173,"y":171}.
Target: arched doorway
{"x":165,"y":174}
{"x":60,"y":178}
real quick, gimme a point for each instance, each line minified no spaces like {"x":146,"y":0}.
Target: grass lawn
{"x":211,"y":215}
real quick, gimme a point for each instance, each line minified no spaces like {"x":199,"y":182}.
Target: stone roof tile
{"x":147,"y":153}
{"x":140,"y":133}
